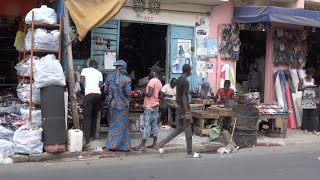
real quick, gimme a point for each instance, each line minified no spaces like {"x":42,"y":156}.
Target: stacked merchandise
{"x":271,"y":109}
{"x":20,"y":133}
{"x":13,"y":122}
{"x":136,"y":103}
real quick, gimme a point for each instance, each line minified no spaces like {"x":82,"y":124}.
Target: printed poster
{"x":109,"y":59}
{"x":212,"y":48}
{"x":202,"y":31}
{"x":183,"y":56}
{"x":201,"y":47}
{"x":201,"y":69}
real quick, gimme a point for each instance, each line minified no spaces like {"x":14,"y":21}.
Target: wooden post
{"x":72,"y":94}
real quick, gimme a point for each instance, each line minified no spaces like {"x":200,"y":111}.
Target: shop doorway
{"x":251,"y":65}
{"x":8,"y":54}
{"x":142,"y":46}
{"x":313,"y":58}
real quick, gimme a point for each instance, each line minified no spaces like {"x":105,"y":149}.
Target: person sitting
{"x":225,"y":93}
{"x":202,"y":91}
{"x":169,"y":94}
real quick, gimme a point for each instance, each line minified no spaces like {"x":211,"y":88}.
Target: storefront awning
{"x":256,"y":14}
{"x":90,"y":14}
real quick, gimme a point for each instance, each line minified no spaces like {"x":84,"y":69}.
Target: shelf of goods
{"x":34,"y":51}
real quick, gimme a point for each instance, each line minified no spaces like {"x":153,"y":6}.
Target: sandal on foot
{"x":151,"y":146}
{"x":139,"y":148}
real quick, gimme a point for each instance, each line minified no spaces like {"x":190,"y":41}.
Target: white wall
{"x":167,"y":17}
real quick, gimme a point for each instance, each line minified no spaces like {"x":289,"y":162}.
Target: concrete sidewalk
{"x":201,"y":144}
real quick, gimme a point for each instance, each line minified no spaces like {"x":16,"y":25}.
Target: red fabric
{"x":291,"y":121}
{"x":227,"y":94}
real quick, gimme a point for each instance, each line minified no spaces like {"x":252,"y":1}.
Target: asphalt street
{"x":292,"y":162}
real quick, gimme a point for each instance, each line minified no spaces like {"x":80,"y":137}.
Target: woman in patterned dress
{"x":117,"y":89}
{"x":310,"y":118}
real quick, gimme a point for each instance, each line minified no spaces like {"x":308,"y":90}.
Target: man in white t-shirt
{"x":169,"y":91}
{"x":91,"y":80}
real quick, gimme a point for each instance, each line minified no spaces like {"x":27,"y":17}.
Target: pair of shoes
{"x":305,"y":132}
{"x":316,"y":133}
{"x":194,"y":155}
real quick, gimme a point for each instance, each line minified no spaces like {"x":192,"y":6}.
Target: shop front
{"x":280,"y":41}
{"x":30,"y":31}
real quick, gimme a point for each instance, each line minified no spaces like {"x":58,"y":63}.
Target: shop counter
{"x":199,"y":117}
{"x":226,"y":113}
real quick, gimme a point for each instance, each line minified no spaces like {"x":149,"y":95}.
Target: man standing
{"x":169,"y":94}
{"x":183,"y":112}
{"x":91,"y":80}
{"x":151,"y":108}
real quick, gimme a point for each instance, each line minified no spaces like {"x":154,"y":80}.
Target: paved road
{"x":279,"y":163}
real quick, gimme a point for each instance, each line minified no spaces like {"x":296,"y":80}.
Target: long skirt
{"x":310,"y":120}
{"x":118,"y":135}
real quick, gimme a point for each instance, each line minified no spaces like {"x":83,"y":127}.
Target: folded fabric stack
{"x":271,"y":109}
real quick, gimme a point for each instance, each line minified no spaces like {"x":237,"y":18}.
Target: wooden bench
{"x":201,"y":117}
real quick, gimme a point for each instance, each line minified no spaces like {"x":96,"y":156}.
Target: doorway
{"x":251,"y":65}
{"x":142,"y":46}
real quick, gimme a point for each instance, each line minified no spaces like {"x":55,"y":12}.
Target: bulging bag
{"x":6,"y":133}
{"x":28,"y":141}
{"x":43,"y":39}
{"x":42,"y":15}
{"x":23,"y":93}
{"x":6,"y":148}
{"x":36,"y":115}
{"x":214,"y":132}
{"x":48,"y":72}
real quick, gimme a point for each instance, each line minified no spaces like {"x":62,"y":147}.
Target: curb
{"x":200,"y":148}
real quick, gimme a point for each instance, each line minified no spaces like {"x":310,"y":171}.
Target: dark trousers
{"x":91,"y":106}
{"x":183,"y":125}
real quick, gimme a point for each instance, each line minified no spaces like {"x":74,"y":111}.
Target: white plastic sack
{"x":23,"y":67}
{"x":43,"y":39}
{"x":6,"y":133}
{"x":48,"y":72}
{"x":36,"y":115}
{"x":28,"y":141}
{"x":6,"y":148}
{"x":23,"y":92}
{"x":42,"y":15}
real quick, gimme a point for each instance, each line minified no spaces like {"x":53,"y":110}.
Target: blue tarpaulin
{"x":254,"y":14}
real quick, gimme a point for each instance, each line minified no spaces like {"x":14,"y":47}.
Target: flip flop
{"x":139,"y":148}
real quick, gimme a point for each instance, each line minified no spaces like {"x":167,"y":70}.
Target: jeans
{"x":150,"y":118}
{"x":183,"y":125}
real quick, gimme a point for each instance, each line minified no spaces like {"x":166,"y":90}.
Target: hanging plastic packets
{"x":48,"y":72}
{"x":36,"y":115}
{"x":23,"y":92}
{"x":28,"y":141}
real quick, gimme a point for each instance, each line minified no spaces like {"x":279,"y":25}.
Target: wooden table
{"x":203,"y":116}
{"x":172,"y":106}
{"x":281,"y":119}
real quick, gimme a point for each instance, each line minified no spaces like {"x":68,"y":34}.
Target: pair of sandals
{"x":314,"y":132}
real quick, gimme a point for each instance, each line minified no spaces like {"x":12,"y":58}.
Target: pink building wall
{"x":220,"y":15}
{"x":269,"y":96}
